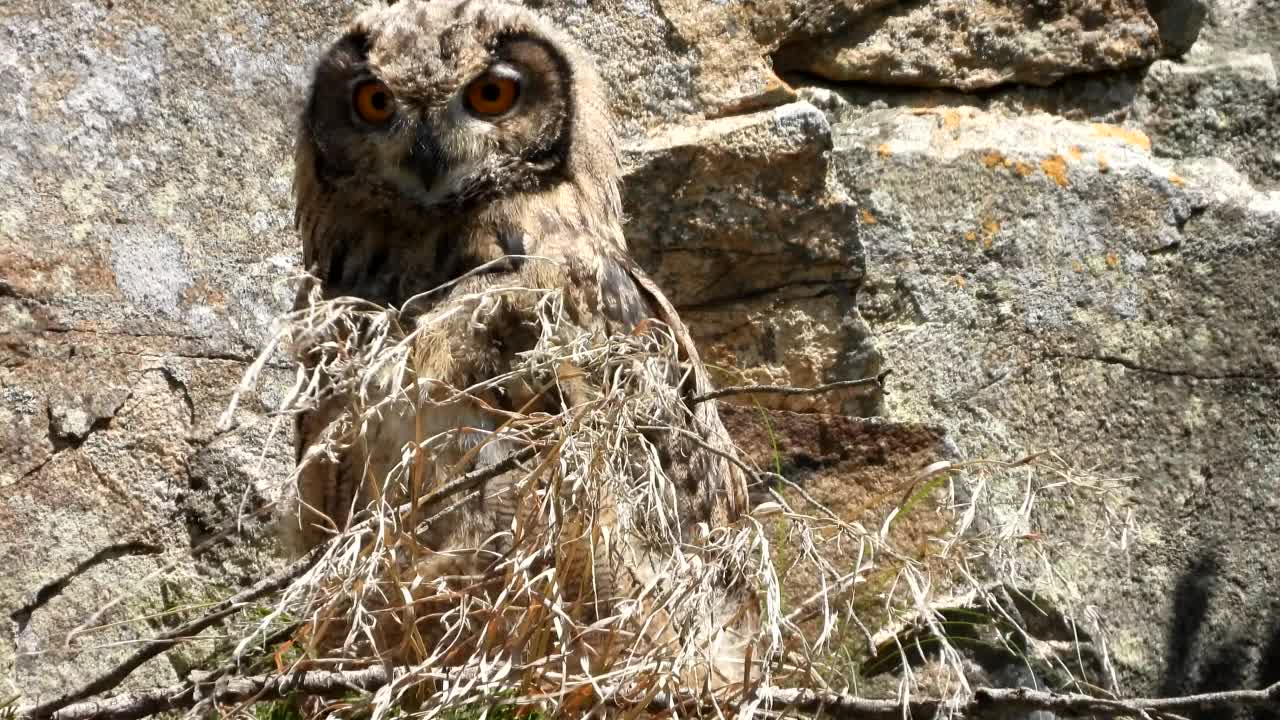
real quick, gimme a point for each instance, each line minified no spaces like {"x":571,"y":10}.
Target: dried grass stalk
{"x":538,"y":548}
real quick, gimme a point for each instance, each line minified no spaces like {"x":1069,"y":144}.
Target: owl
{"x":450,"y":152}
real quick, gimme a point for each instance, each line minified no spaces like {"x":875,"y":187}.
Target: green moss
{"x":287,"y":709}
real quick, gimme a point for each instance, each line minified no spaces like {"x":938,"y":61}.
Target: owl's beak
{"x":425,"y":157}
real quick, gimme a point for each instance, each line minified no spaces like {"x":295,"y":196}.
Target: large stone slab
{"x":764,"y":261}
{"x":1220,"y":103}
{"x":972,"y":45}
{"x":145,"y":241}
{"x":1036,"y":284}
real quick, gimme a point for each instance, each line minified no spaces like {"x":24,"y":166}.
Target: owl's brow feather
{"x":555,"y":154}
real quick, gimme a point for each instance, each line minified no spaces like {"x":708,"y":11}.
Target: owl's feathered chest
{"x":413,"y":262}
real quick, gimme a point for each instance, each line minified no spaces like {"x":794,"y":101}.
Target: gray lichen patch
{"x":150,"y":269}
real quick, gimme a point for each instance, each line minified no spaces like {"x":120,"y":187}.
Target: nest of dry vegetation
{"x":516,"y":621}
{"x":790,"y":608}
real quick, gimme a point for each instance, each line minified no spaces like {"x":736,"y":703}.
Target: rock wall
{"x":1056,"y":223}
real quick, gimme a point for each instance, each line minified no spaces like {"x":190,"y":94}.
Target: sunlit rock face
{"x":1054,"y":224}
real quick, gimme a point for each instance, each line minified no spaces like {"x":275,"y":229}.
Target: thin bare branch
{"x":1009,"y":702}
{"x":222,"y":691}
{"x":877,"y":381}
{"x":219,"y":612}
{"x":985,"y":702}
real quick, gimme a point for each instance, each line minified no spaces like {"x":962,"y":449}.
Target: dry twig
{"x":985,"y":702}
{"x":154,"y":647}
{"x":877,"y":381}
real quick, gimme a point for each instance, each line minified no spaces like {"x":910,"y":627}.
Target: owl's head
{"x":448,"y":104}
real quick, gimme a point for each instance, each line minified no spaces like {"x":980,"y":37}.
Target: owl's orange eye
{"x":493,"y":94}
{"x":374,"y":102}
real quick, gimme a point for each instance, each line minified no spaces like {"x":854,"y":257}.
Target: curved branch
{"x":877,"y":381}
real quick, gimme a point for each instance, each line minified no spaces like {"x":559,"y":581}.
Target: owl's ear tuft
{"x":358,"y":41}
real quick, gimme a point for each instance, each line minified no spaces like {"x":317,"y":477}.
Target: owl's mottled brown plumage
{"x":441,"y":194}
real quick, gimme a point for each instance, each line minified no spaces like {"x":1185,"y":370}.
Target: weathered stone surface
{"x":144,"y":246}
{"x":1032,"y":272}
{"x":120,"y":474}
{"x":1226,"y":105}
{"x":1221,"y":99}
{"x":848,"y":463}
{"x":1037,"y":284}
{"x":674,"y":59}
{"x":972,"y":45}
{"x":858,"y":467}
{"x":1248,"y":26}
{"x":1083,"y":212}
{"x":669,"y":60}
{"x":765,"y":265}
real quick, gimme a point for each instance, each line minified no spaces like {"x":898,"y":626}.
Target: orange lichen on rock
{"x":1056,"y":168}
{"x":1133,"y":137}
{"x":990,"y":228}
{"x":867,"y":217}
{"x":1023,"y":169}
{"x":994,"y":159}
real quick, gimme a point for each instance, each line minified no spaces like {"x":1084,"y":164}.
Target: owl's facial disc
{"x":465,"y":149}
{"x":502,"y":127}
{"x":405,"y":114}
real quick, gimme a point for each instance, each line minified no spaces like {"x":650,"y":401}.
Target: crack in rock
{"x":1132,"y":365}
{"x":823,"y":288}
{"x":178,"y":384}
{"x":22,"y":616}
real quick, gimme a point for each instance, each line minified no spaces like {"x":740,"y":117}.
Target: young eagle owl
{"x":464,"y":147}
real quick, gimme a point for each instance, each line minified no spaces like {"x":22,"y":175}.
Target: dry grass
{"x":520,"y":617}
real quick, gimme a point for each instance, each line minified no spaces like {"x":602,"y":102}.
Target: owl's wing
{"x":718,"y":485}
{"x":320,"y":500}
{"x":721,"y":485}
{"x":319,"y":504}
